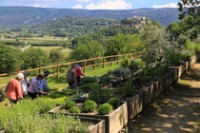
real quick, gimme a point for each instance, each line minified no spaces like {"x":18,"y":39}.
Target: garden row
{"x":119,"y":96}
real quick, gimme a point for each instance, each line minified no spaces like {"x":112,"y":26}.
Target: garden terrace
{"x":133,"y":105}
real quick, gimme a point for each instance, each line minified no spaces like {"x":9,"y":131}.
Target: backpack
{"x":70,"y":75}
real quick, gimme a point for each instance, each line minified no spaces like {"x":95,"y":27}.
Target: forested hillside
{"x":71,"y":26}
{"x":20,"y":16}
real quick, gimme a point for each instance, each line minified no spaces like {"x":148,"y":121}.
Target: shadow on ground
{"x":177,"y":112}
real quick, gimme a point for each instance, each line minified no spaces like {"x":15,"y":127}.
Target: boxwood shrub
{"x":69,"y":104}
{"x":115,"y":102}
{"x":74,"y":110}
{"x":105,"y":108}
{"x":89,"y":106}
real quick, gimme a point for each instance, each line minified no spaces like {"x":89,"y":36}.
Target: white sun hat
{"x":20,"y":75}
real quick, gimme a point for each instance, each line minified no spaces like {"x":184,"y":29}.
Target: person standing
{"x":14,"y":90}
{"x":43,"y":85}
{"x":34,"y":90}
{"x":71,"y":76}
{"x":79,"y":73}
{"x":25,"y":83}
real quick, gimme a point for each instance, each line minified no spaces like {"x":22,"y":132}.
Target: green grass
{"x":100,"y":71}
{"x":31,"y":117}
{"x":60,"y":84}
{"x":65,"y":51}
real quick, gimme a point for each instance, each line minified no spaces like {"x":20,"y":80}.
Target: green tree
{"x":190,"y":14}
{"x":124,"y":44}
{"x":56,"y":55}
{"x":89,"y":50}
{"x":156,"y":44}
{"x":10,"y":59}
{"x":34,"y":57}
{"x":174,"y":29}
{"x":189,"y":7}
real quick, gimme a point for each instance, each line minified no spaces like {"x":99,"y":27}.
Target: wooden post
{"x":40,"y":70}
{"x":94,"y":67}
{"x":85,"y":63}
{"x":111,"y":61}
{"x":58,"y":70}
{"x":117,"y":59}
{"x":123,"y":57}
{"x":103,"y":61}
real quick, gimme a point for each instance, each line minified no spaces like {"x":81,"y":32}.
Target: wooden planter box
{"x":114,"y":122}
{"x":192,"y":60}
{"x":135,"y":105}
{"x":98,"y":127}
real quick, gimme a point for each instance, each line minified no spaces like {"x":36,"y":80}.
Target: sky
{"x":93,"y":4}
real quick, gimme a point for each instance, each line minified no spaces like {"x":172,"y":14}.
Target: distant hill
{"x":71,"y":26}
{"x":11,"y":17}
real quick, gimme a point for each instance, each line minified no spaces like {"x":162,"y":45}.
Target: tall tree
{"x":34,"y":57}
{"x":156,"y":44}
{"x":9,"y":58}
{"x":189,"y":7}
{"x":190,"y":14}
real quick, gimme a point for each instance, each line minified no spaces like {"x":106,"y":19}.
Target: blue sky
{"x":93,"y":4}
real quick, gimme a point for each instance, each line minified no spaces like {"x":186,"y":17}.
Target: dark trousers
{"x":78,"y":79}
{"x":32,"y":95}
{"x":13,"y":101}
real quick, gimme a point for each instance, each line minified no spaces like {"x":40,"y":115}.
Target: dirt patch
{"x":178,"y":112}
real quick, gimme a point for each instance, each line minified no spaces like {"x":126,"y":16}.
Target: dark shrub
{"x":128,"y":89}
{"x":88,"y":86}
{"x":121,"y":72}
{"x":125,"y":63}
{"x":105,"y":108}
{"x":105,"y":94}
{"x":115,"y":102}
{"x":74,"y":110}
{"x":69,"y":104}
{"x":89,"y":106}
{"x":89,"y":79}
{"x":104,"y":79}
{"x":102,"y":94}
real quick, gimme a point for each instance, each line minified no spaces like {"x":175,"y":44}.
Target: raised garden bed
{"x":114,"y":121}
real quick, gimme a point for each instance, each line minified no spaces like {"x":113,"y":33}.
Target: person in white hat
{"x":13,"y":89}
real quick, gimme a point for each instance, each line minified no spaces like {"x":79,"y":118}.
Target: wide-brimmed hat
{"x":20,"y":75}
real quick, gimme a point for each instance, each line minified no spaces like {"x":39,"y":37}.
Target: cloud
{"x":109,"y":4}
{"x":77,"y":7}
{"x":83,"y":0}
{"x":170,"y":5}
{"x":39,"y":5}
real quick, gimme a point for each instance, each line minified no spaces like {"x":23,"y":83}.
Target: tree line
{"x":161,"y":45}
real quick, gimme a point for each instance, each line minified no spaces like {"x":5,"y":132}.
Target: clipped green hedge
{"x":115,"y":102}
{"x":69,"y":104}
{"x":89,"y":106}
{"x":105,"y":108}
{"x":74,"y":110}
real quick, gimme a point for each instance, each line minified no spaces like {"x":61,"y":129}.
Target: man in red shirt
{"x":79,"y":73}
{"x":13,"y":89}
